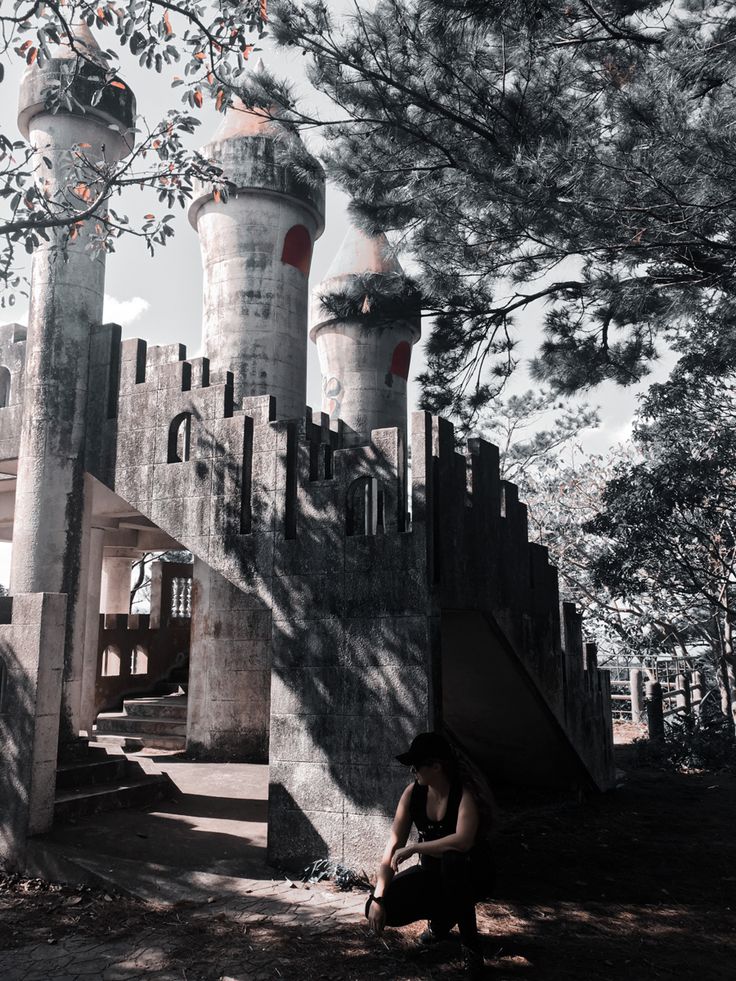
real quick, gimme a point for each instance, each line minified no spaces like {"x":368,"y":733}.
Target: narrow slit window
{"x":4,"y":386}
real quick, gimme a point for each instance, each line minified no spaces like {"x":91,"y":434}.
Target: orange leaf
{"x":167,"y":23}
{"x":149,"y":217}
{"x":73,"y":232}
{"x":32,"y":55}
{"x":100,"y":13}
{"x":83,"y":192}
{"x":198,"y":98}
{"x":247,"y":50}
{"x":156,"y":144}
{"x":219,"y":100}
{"x":216,"y":196}
{"x":25,"y":46}
{"x":117,"y":84}
{"x":264,"y":9}
{"x":85,"y":146}
{"x":199,"y":55}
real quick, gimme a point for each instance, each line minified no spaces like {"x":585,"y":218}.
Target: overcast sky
{"x":159,"y":299}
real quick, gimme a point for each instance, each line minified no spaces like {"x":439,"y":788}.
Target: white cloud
{"x":124,"y":312}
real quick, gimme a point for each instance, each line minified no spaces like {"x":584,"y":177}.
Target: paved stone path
{"x":148,"y":955}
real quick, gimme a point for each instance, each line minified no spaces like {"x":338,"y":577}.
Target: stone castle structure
{"x":341,"y":600}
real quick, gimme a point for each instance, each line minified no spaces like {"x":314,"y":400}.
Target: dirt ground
{"x":635,"y":885}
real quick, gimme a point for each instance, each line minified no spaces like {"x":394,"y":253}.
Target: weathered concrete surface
{"x":229,"y":671}
{"x":256,"y":254}
{"x":31,"y":652}
{"x":365,"y":352}
{"x":51,"y":526}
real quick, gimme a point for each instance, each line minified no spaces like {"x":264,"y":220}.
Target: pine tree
{"x":573,"y":155}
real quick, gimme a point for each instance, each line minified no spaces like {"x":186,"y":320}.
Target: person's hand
{"x":376,"y":918}
{"x":401,"y":855}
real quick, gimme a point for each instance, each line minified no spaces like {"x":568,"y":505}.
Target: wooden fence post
{"x":697,"y":690}
{"x":636,"y":686}
{"x":682,"y":699}
{"x":655,"y":716}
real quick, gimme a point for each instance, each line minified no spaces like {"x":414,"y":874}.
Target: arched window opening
{"x":401,"y":360}
{"x":297,"y":251}
{"x":110,"y":662}
{"x":365,"y":507}
{"x":180,"y":436}
{"x":4,"y":386}
{"x":139,"y":660}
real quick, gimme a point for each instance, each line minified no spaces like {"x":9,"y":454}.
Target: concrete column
{"x":87,"y":710}
{"x":365,"y":352}
{"x":256,"y":255}
{"x":229,"y":671}
{"x":51,"y":526}
{"x":636,"y":685}
{"x":117,"y":564}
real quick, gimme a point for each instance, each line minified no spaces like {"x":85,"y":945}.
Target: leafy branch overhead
{"x":574,"y":159}
{"x":77,"y":44}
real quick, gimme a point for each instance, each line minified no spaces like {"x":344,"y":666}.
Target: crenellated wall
{"x":328,"y":626}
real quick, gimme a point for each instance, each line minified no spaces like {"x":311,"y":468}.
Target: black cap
{"x":424,"y":747}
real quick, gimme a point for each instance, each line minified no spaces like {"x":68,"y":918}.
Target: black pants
{"x":440,"y":890}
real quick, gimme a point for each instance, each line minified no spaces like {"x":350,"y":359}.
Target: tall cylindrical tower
{"x":365,"y":320}
{"x":256,"y":253}
{"x":67,"y":287}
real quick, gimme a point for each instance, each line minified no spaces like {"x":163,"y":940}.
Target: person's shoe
{"x":430,"y":936}
{"x":473,"y":963}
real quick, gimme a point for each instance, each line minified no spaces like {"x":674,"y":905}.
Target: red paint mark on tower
{"x":297,"y":249}
{"x":401,"y":359}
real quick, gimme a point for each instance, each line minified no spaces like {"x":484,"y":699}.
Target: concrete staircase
{"x":158,"y":723}
{"x":96,"y":781}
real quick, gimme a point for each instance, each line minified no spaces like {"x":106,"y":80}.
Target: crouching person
{"x":451,"y":811}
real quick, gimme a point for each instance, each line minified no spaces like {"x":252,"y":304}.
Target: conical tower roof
{"x":116,"y":106}
{"x":85,"y":43}
{"x":362,"y":254}
{"x":361,"y":257}
{"x":239,"y":120}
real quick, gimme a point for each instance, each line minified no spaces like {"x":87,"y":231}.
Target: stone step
{"x":167,"y":707}
{"x":134,"y":743}
{"x":120,"y":724}
{"x":93,"y":772}
{"x":140,"y":791}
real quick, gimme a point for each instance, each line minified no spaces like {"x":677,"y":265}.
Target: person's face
{"x":424,"y":772}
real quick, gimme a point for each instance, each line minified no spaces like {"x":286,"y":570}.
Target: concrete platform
{"x":215,"y":828}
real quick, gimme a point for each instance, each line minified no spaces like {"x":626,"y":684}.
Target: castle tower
{"x":256,"y":253}
{"x":50,"y":534}
{"x":365,"y":320}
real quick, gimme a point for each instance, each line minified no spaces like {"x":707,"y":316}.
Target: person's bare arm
{"x":397,"y":839}
{"x":461,"y":840}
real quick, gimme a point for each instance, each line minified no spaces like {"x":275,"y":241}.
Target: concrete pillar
{"x":51,"y":529}
{"x":636,"y":685}
{"x":655,"y":717}
{"x":256,"y":254}
{"x":365,"y":346}
{"x":229,"y":690}
{"x":87,"y":712}
{"x":117,"y":564}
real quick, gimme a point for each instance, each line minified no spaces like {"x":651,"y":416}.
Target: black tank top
{"x":432,"y":830}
